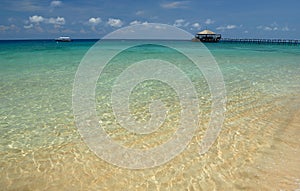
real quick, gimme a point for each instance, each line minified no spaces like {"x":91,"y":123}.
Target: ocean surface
{"x":258,"y":147}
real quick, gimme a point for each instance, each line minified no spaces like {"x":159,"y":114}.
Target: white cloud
{"x":175,"y":5}
{"x":95,"y":21}
{"x":227,"y":27}
{"x":196,"y":26}
{"x":209,"y":21}
{"x":114,"y":22}
{"x":231,"y":26}
{"x":39,"y":19}
{"x":55,"y":3}
{"x":28,"y":26}
{"x":259,"y":27}
{"x":139,"y":13}
{"x":273,"y":27}
{"x":178,"y":23}
{"x":56,"y":21}
{"x":267,"y":28}
{"x":136,"y":22}
{"x":36,"y":19}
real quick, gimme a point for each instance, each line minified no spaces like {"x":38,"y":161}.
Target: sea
{"x":42,"y":147}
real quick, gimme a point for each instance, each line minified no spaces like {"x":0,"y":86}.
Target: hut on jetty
{"x":208,"y":36}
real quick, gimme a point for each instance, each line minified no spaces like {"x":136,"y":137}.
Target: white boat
{"x":63,"y":39}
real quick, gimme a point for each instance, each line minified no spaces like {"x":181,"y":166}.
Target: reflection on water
{"x":257,"y":149}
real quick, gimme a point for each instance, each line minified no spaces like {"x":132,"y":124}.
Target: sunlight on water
{"x":257,"y":149}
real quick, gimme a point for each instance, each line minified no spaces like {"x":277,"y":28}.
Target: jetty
{"x":261,"y":41}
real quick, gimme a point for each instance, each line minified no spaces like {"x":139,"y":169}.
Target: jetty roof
{"x":206,"y":32}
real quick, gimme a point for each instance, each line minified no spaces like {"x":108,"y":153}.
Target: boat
{"x":63,"y":39}
{"x":208,"y":36}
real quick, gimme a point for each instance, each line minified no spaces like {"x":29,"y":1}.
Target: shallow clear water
{"x":257,"y":149}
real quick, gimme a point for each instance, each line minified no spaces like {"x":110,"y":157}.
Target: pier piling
{"x":262,"y":41}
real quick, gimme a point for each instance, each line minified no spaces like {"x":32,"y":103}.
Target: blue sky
{"x":25,"y":19}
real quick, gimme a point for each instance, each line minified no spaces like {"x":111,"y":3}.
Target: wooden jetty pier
{"x":261,"y":41}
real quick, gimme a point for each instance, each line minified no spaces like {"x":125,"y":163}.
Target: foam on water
{"x":258,"y":147}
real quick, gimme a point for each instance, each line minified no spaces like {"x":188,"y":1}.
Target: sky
{"x":49,"y":19}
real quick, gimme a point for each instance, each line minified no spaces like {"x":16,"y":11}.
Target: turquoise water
{"x":41,"y":149}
